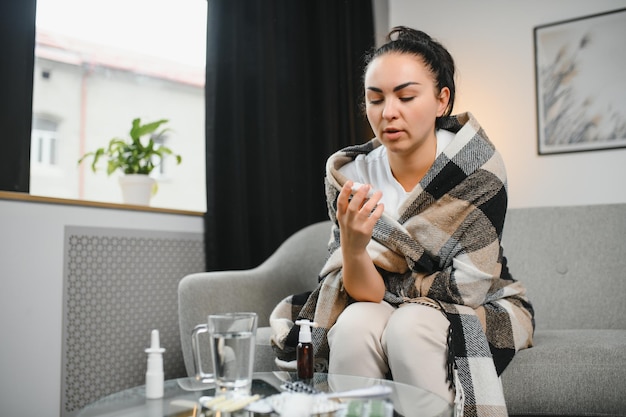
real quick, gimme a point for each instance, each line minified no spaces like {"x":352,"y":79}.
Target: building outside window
{"x":101,"y":66}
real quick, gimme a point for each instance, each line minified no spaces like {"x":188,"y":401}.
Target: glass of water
{"x":233,"y":337}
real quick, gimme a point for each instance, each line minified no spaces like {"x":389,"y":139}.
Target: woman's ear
{"x":444,"y":99}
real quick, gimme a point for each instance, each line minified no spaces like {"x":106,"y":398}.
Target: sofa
{"x":572,"y":261}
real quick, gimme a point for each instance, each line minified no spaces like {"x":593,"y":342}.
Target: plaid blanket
{"x":445,"y":245}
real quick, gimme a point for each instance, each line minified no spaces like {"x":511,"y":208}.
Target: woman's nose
{"x":390,"y":111}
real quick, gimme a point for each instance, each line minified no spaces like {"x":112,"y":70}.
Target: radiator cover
{"x":119,"y":284}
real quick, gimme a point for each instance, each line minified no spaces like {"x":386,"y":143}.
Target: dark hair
{"x":404,"y":40}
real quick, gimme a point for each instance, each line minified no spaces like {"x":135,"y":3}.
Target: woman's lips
{"x":392,"y":134}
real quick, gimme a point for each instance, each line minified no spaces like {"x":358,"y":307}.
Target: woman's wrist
{"x":361,"y":279}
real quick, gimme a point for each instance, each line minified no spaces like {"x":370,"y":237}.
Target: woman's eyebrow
{"x":396,"y":88}
{"x":401,"y":86}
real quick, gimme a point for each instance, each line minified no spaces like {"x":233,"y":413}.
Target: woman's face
{"x":402,"y":102}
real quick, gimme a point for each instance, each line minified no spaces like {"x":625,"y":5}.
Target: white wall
{"x":31,"y":294}
{"x":492,"y":44}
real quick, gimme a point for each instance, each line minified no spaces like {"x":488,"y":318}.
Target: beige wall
{"x":492,"y":43}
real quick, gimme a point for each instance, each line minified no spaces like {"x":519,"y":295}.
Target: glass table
{"x":182,"y":398}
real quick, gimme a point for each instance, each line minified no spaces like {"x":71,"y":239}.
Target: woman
{"x":416,"y":270}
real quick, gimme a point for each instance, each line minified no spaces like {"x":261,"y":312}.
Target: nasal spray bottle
{"x":304,"y":353}
{"x":154,"y":372}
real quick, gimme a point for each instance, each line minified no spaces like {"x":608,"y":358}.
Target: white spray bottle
{"x":154,"y":372}
{"x":304,"y":352}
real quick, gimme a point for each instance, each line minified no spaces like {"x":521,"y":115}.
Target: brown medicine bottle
{"x":304,"y":352}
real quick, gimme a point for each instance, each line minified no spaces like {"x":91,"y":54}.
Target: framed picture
{"x":580,"y":72}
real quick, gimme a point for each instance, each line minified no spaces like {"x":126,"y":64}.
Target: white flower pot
{"x":136,"y":189}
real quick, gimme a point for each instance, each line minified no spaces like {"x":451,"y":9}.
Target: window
{"x":99,"y":67}
{"x":44,"y":142}
{"x":161,"y":169}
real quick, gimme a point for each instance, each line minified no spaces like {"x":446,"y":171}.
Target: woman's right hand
{"x":357,"y":216}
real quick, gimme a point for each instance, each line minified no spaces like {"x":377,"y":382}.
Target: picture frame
{"x":580,"y":75}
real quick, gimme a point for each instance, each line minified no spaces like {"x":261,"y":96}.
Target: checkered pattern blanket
{"x":445,"y":245}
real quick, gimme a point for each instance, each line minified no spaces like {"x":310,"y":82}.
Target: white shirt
{"x":373,"y":168}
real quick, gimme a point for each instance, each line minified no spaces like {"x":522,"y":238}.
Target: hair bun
{"x":403,"y":33}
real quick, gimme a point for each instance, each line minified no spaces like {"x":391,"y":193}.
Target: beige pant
{"x":371,"y":339}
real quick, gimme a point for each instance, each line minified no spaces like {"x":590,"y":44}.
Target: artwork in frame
{"x":580,"y":69}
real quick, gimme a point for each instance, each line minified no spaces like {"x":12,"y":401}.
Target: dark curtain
{"x":283,"y":92}
{"x":17,"y":43}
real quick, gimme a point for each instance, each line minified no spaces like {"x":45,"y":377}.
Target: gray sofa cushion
{"x":572,"y":261}
{"x":566,"y":373}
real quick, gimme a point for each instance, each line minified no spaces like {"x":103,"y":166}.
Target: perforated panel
{"x":119,"y":285}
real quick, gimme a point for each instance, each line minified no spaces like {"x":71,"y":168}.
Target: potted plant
{"x":135,"y":159}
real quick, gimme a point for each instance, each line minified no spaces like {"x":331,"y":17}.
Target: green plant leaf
{"x":138,"y":130}
{"x":131,"y":156}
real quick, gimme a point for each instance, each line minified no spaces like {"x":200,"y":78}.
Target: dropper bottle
{"x":154,"y":372}
{"x":304,"y":352}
